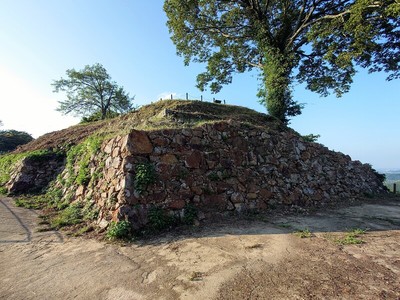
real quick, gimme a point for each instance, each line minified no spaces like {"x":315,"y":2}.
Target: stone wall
{"x":224,"y":167}
{"x":33,"y":174}
{"x":217,"y":168}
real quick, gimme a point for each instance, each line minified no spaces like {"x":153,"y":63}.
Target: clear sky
{"x":41,"y":39}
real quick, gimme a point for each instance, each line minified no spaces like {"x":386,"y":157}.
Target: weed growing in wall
{"x":80,"y":156}
{"x":159,"y":219}
{"x":119,"y":230}
{"x":145,"y":174}
{"x":189,"y":214}
{"x":71,"y":215}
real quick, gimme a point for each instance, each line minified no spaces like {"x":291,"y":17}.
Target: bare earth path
{"x":235,"y":259}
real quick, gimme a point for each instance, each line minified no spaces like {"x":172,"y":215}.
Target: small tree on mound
{"x":91,"y":91}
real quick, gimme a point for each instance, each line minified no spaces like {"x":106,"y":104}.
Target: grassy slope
{"x":151,"y":117}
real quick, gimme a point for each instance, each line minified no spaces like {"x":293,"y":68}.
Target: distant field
{"x":392,"y":178}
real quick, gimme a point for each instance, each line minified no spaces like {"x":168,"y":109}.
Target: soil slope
{"x":161,"y":114}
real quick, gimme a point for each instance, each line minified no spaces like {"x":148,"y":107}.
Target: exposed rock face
{"x":219,"y":167}
{"x":33,"y":175}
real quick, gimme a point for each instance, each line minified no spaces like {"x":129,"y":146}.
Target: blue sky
{"x":41,"y":39}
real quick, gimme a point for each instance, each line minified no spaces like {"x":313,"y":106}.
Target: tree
{"x":91,"y":91}
{"x":317,"y":42}
{"x":11,"y":139}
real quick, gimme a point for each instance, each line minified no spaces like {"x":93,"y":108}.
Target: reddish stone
{"x":252,"y":188}
{"x":262,"y":205}
{"x":197,"y":190}
{"x":265,"y":194}
{"x":193,"y":160}
{"x":156,"y":197}
{"x":221,"y":126}
{"x":139,"y":143}
{"x":195,"y":141}
{"x":168,"y":159}
{"x":238,"y":158}
{"x":177,"y":204}
{"x":215,"y":202}
{"x":222,"y":187}
{"x":198,"y":133}
{"x":160,"y":141}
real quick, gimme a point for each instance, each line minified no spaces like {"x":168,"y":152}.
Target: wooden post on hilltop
{"x":172,"y":98}
{"x":201,"y":98}
{"x":187,"y":96}
{"x":394,"y":188}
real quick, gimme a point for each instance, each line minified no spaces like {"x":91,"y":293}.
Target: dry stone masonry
{"x":217,"y":167}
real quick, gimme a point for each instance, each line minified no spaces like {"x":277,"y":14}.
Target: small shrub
{"x":34,"y":202}
{"x":213,"y":176}
{"x":69,"y":216}
{"x":90,"y":212}
{"x":158,"y":219}
{"x":311,"y":138}
{"x":80,"y":155}
{"x":305,"y":233}
{"x":352,"y":237}
{"x":3,"y":190}
{"x":119,"y":230}
{"x":189,"y":214}
{"x":145,"y":175}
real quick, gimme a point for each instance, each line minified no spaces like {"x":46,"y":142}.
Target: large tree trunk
{"x":277,"y":71}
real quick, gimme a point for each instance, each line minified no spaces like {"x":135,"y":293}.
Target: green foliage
{"x":90,"y":91}
{"x":213,"y":176}
{"x":9,"y":161}
{"x":71,"y":215}
{"x":352,"y":237}
{"x":11,"y":139}
{"x":119,"y":230}
{"x":80,"y":155}
{"x":32,"y":202}
{"x":314,"y":42}
{"x":144,"y":175}
{"x":159,"y":220}
{"x":381,"y":177}
{"x":312,"y":138}
{"x":97,"y":116}
{"x":305,"y":233}
{"x":90,"y":212}
{"x":189,"y":214}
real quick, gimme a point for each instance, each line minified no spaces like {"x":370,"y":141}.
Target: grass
{"x":31,"y":202}
{"x":352,"y":237}
{"x":119,"y":230}
{"x":196,"y":276}
{"x":71,"y":215}
{"x":303,"y":233}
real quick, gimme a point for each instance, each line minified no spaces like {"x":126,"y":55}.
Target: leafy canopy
{"x":316,"y":42}
{"x":11,"y":139}
{"x":90,"y":91}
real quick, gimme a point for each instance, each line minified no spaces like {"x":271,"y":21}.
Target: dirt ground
{"x":255,"y":258}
